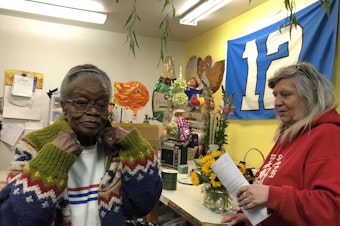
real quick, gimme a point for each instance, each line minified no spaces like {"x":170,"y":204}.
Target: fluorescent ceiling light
{"x":89,"y":5}
{"x":201,"y":10}
{"x":53,"y":11}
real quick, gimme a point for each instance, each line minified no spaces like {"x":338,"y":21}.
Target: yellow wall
{"x":245,"y":134}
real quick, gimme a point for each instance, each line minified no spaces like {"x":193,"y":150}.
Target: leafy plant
{"x":130,"y":28}
{"x":224,"y":110}
{"x":290,"y":6}
{"x":216,"y":122}
{"x":164,"y":27}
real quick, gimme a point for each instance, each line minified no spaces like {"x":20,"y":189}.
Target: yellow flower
{"x":216,"y":154}
{"x":216,"y":184}
{"x":204,"y":173}
{"x":195,"y":179}
{"x":205,"y":159}
{"x":212,"y":176}
{"x":206,"y":168}
{"x":242,"y":168}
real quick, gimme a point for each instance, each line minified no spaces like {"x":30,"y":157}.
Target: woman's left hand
{"x":112,"y":136}
{"x":252,"y":195}
{"x":234,"y":219}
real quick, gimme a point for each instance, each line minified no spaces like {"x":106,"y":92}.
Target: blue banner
{"x":254,"y":58}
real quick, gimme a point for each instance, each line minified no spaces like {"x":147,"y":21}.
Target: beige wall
{"x":245,"y":134}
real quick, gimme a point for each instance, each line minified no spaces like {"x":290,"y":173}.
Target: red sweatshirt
{"x":304,"y":177}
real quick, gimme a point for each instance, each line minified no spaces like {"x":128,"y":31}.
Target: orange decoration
{"x":132,"y":95}
{"x":213,"y":70}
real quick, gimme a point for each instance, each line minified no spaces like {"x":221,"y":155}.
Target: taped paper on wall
{"x":11,"y":132}
{"x":22,"y":99}
{"x":23,"y":85}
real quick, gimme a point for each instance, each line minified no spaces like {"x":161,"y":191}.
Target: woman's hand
{"x":68,"y":142}
{"x":233,"y":219}
{"x":112,"y":136}
{"x":252,"y":195}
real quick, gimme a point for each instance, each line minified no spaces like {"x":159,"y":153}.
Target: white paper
{"x":231,"y":177}
{"x":19,"y":112}
{"x":11,"y":132}
{"x":22,"y":85}
{"x":122,"y":114}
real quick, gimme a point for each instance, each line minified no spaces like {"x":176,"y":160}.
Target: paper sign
{"x":22,"y":85}
{"x":23,"y":98}
{"x":11,"y":132}
{"x":232,"y":179}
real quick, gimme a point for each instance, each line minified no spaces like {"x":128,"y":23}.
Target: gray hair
{"x":85,"y":70}
{"x":315,"y":90}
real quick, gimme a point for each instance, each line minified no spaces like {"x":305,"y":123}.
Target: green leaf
{"x":128,"y":19}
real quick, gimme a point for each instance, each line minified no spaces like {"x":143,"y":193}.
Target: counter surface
{"x":187,"y":200}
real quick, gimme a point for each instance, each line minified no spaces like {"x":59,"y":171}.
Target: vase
{"x":218,"y":200}
{"x":212,"y":148}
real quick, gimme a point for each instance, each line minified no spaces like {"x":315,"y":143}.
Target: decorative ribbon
{"x":184,"y":126}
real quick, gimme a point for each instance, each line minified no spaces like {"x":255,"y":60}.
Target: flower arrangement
{"x":204,"y":173}
{"x":245,"y":172}
{"x":216,"y":122}
{"x":216,"y":197}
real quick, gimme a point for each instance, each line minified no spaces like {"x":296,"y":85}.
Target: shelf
{"x":55,"y":108}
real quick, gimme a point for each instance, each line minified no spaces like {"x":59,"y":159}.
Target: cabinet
{"x":55,"y":109}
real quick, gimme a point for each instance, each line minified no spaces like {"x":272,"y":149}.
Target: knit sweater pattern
{"x":36,"y":193}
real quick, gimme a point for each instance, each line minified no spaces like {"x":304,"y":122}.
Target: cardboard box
{"x":151,"y":133}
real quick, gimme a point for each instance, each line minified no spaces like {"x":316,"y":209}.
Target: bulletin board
{"x":23,"y":95}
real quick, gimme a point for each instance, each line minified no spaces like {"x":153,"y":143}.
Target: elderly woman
{"x":80,"y":170}
{"x":298,"y":182}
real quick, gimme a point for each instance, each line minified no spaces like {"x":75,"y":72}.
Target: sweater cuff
{"x":134,"y":146}
{"x":275,"y":194}
{"x":51,"y":164}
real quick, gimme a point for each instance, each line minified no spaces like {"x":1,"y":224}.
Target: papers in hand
{"x":232,"y":179}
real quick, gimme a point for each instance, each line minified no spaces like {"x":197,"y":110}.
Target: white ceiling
{"x":150,"y":13}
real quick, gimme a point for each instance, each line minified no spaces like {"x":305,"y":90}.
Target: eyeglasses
{"x":85,"y":105}
{"x":303,"y":72}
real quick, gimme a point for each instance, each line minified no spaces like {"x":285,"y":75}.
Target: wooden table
{"x":187,"y":201}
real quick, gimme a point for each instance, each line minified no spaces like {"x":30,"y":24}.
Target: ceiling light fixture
{"x":200,"y":10}
{"x":53,"y":11}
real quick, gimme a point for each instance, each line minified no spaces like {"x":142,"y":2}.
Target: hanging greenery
{"x":170,"y":13}
{"x":130,"y":28}
{"x":164,"y":26}
{"x":290,"y":6}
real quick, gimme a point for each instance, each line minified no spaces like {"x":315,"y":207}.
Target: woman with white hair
{"x":298,"y":182}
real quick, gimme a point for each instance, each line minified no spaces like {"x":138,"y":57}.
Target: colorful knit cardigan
{"x":37,"y":195}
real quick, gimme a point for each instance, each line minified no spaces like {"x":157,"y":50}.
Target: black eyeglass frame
{"x":82,"y":105}
{"x":303,"y":72}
